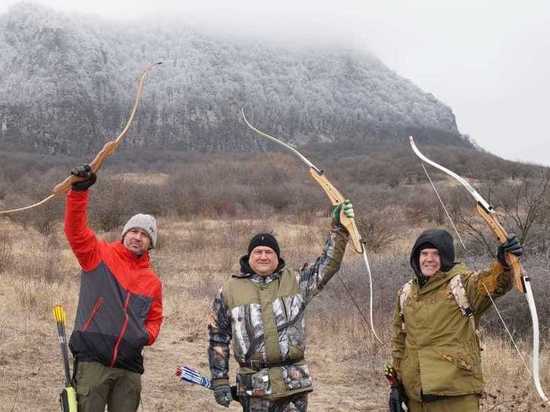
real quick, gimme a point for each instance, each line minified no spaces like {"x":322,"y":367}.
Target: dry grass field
{"x":193,"y":259}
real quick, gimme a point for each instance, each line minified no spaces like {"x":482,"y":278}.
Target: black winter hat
{"x":264,"y":239}
{"x":434,"y":238}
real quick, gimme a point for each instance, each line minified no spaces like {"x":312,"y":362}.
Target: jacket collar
{"x":142,"y":261}
{"x":440,"y":278}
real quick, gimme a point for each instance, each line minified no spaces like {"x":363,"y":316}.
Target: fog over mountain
{"x":68,"y":82}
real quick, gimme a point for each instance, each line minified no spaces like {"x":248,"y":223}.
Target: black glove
{"x":512,"y":246}
{"x":222,"y":393}
{"x":84,"y":171}
{"x":397,"y":399}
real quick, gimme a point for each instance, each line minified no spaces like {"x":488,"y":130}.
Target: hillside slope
{"x":68,"y":81}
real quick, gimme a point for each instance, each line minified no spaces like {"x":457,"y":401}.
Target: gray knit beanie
{"x":145,"y":222}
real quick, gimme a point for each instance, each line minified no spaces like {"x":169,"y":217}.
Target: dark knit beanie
{"x":264,"y":239}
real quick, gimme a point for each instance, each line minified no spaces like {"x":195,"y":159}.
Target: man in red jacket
{"x":119,"y":307}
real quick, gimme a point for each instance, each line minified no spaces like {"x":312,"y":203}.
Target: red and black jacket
{"x":120,"y":300}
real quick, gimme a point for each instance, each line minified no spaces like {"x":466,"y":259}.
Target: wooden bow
{"x":522,"y":282}
{"x":108,"y":149}
{"x":336,"y":198}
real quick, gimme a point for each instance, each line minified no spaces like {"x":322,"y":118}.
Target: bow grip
{"x":351,"y":227}
{"x":65,"y":185}
{"x":107,"y":150}
{"x":336,"y":198}
{"x":502,"y":236}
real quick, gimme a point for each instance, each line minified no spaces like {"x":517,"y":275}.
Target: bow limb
{"x":359,"y":245}
{"x":522,"y":282}
{"x":536,"y":338}
{"x":20,"y":209}
{"x":485,"y":210}
{"x":335,"y":198}
{"x":333,"y":194}
{"x":108,"y":149}
{"x":280,"y":142}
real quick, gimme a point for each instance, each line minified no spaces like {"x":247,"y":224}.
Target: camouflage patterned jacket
{"x":264,"y":319}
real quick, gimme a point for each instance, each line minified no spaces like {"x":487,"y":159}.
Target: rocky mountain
{"x":68,"y":81}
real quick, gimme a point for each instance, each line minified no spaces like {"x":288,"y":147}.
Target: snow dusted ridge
{"x":67,"y":82}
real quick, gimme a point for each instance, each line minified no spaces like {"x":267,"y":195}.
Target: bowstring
{"x":482,"y":283}
{"x":444,"y":208}
{"x":364,"y":320}
{"x":371,"y":293}
{"x":366,"y":324}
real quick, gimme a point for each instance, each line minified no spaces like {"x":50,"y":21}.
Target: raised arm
{"x":494,"y":282}
{"x":313,"y":278}
{"x":219,"y":332}
{"x":82,"y":239}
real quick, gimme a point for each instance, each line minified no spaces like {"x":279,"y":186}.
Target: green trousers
{"x":466,"y":403}
{"x":98,"y":386}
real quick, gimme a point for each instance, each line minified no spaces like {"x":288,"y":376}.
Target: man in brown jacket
{"x":435,"y":345}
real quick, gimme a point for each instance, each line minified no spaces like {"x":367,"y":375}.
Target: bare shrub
{"x":34,"y":185}
{"x":306,"y":218}
{"x":43,"y":218}
{"x":109,"y":206}
{"x":423,"y":206}
{"x":529,"y":211}
{"x":41,"y":262}
{"x":206,"y":286}
{"x":523,"y":208}
{"x":147,"y":198}
{"x":38,"y":296}
{"x":389,"y":274}
{"x":277,"y":197}
{"x":200,"y":239}
{"x":377,"y":230}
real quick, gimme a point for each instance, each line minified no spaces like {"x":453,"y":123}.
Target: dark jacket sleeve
{"x":219,"y":334}
{"x":313,"y":278}
{"x":82,"y":239}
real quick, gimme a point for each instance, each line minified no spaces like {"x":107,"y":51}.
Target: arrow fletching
{"x":191,"y":375}
{"x":59,"y":314}
{"x":60,"y":318}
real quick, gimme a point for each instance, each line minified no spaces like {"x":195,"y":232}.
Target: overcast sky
{"x":488,"y":60}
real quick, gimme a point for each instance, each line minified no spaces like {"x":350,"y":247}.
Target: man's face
{"x":263,"y":260}
{"x":429,"y":261}
{"x":137,"y":241}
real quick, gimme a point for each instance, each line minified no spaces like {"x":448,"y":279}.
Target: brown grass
{"x":193,"y":259}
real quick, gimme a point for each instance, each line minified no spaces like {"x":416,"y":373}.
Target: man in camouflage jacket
{"x":261,"y":310}
{"x":435,"y":346}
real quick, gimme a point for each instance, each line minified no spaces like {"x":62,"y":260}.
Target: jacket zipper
{"x":95,"y":309}
{"x":284,"y":309}
{"x":122,"y":331}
